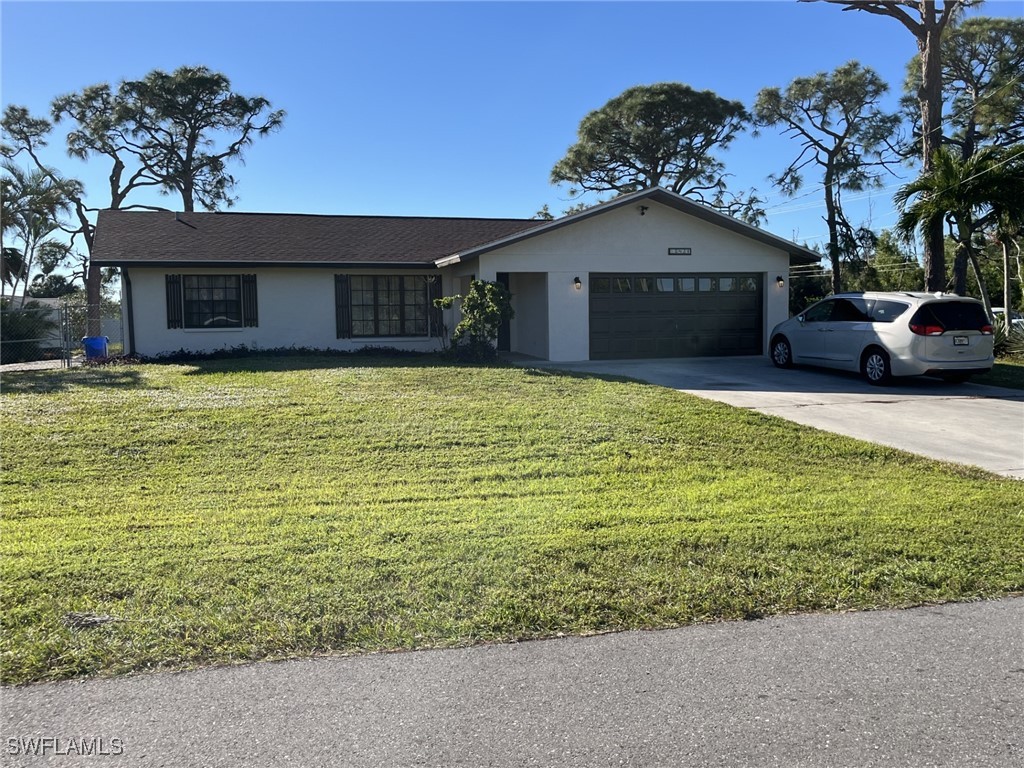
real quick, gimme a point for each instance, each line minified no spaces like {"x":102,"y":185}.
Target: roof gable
{"x":798,"y":254}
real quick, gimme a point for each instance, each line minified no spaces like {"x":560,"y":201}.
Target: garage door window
{"x":643,"y":284}
{"x":706,"y":284}
{"x":687,"y":284}
{"x":601,"y":285}
{"x":664,"y":285}
{"x":622,"y":285}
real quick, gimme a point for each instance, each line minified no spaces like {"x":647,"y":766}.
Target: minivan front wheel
{"x":876,"y":367}
{"x":782,"y":353}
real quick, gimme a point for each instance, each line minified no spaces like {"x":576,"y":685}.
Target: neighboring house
{"x":650,"y":274}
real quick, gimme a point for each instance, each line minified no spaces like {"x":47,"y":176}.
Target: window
{"x":885,"y":311}
{"x":953,"y":316}
{"x":664,"y":284}
{"x":387,"y":305}
{"x":643,"y":284}
{"x":705,"y":284}
{"x":850,"y":311}
{"x":622,"y":285}
{"x":819,"y":313}
{"x":211,"y":301}
{"x":686,"y":284}
{"x":728,"y":284}
{"x":600,"y":285}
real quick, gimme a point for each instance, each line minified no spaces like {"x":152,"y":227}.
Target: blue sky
{"x":449,"y":109}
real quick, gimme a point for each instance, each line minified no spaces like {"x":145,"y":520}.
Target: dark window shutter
{"x":436,"y":314}
{"x":250,"y":307}
{"x":174,"y":317}
{"x":342,"y":307}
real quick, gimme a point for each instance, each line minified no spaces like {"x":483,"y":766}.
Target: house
{"x":650,"y":274}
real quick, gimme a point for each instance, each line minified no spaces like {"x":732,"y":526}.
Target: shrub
{"x":484,"y":308}
{"x":1009,"y":338}
{"x":23,"y":331}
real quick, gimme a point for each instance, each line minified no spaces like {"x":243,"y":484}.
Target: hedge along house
{"x":650,"y":274}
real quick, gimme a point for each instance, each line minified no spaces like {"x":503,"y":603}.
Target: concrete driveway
{"x":963,"y":423}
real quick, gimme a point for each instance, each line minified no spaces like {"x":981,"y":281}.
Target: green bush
{"x":1009,"y":339}
{"x":484,"y":308}
{"x":23,"y":330}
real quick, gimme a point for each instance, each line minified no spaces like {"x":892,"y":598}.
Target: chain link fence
{"x":50,"y":333}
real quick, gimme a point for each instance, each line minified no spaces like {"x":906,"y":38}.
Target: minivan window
{"x":819,"y":313}
{"x":952,"y":315}
{"x":886,"y":311}
{"x":850,"y":311}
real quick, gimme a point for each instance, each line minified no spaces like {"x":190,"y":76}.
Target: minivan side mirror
{"x":800,"y":319}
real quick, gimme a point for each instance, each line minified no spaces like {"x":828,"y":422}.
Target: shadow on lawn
{"x":757,"y":376}
{"x":65,"y":379}
{"x":257,"y":363}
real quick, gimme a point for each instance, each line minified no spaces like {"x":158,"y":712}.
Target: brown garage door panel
{"x":679,"y":321}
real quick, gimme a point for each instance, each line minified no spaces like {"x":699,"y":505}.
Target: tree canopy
{"x":176,"y":133}
{"x":926,"y":20}
{"x":982,"y":83}
{"x":660,"y":135}
{"x":841,"y":131}
{"x":987,"y":187}
{"x":33,"y":205}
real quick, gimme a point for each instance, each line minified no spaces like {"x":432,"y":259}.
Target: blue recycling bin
{"x":95,"y":347}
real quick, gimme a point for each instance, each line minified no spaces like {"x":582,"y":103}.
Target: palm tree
{"x":967,"y":195}
{"x":32,"y":206}
{"x":12,"y":267}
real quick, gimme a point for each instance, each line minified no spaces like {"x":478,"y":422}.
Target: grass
{"x":263,"y":508}
{"x":1007,"y":372}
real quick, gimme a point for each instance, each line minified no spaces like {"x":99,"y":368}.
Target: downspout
{"x":129,"y":309}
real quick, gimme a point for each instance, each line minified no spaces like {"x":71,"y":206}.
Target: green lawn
{"x":262,"y":508}
{"x":1007,"y":372}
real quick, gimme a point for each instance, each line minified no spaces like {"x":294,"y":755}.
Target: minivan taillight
{"x":987,"y":330}
{"x":927,"y":330}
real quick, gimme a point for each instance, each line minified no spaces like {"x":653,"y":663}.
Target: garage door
{"x":675,"y":315}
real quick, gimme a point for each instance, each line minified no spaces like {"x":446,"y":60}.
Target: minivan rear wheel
{"x":876,"y":367}
{"x":782,"y":353}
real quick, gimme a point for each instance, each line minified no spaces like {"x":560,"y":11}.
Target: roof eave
{"x":223,"y":264}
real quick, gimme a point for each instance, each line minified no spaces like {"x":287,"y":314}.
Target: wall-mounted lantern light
{"x":780,"y":281}
{"x":577,"y":284}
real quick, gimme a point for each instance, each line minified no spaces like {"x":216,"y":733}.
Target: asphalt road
{"x":962,"y":423}
{"x":935,"y":686}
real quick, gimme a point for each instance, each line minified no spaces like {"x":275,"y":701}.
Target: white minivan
{"x":883,"y":335}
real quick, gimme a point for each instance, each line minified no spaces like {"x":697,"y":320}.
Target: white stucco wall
{"x":622,"y":240}
{"x":296,"y":308}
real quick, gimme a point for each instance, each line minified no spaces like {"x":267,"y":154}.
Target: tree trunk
{"x":1006,"y":278}
{"x":930,"y":98}
{"x":963,"y":254}
{"x":94,"y":296}
{"x":960,"y":270}
{"x":832,"y":219}
{"x":982,"y":287}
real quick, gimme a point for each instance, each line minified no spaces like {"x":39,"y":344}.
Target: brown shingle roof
{"x":254,"y":239}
